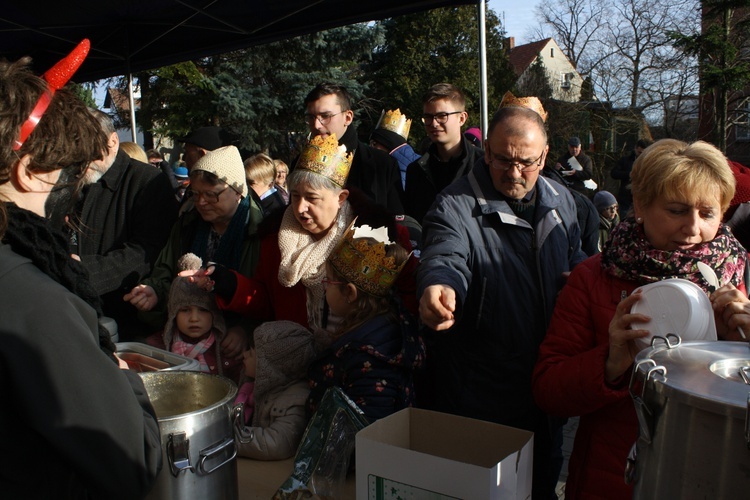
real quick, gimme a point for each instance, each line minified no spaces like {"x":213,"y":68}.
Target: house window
{"x":565,"y":80}
{"x":552,"y":52}
{"x":742,"y":125}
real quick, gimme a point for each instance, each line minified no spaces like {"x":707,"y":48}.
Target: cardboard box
{"x":421,"y":454}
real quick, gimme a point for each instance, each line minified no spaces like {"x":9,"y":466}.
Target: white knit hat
{"x":226,"y":164}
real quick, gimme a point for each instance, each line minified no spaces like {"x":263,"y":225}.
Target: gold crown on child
{"x":324,"y":156}
{"x":364,"y":262}
{"x":394,"y":121}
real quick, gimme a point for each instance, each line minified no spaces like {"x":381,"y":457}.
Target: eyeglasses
{"x":208,"y":196}
{"x":323,"y":118}
{"x":522,"y":166}
{"x":327,"y":282}
{"x":441,"y":118}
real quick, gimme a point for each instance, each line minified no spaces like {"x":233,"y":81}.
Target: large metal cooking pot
{"x":693,"y":407}
{"x":194,"y":411}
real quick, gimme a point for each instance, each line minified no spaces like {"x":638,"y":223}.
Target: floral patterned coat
{"x":373,"y":364}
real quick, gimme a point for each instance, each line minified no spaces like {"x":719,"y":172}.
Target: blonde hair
{"x":279,"y":164}
{"x":368,"y":306}
{"x":676,"y":170}
{"x":260,"y":168}
{"x":134,"y":151}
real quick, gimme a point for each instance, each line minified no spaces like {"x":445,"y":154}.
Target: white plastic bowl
{"x":675,"y":306}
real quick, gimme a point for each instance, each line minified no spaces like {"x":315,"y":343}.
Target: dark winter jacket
{"x":373,"y":364}
{"x":577,"y":177}
{"x":588,"y":216}
{"x":621,"y":172}
{"x":426,"y":177}
{"x":506,"y":275}
{"x":74,"y":425}
{"x":375,"y":172}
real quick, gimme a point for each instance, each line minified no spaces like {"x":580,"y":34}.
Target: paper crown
{"x":395,"y":122}
{"x":325,"y":157}
{"x":532,"y":103}
{"x":364,"y":262}
{"x":56,"y":77}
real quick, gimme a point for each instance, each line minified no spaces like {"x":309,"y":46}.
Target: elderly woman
{"x":680,"y":192}
{"x":60,"y":392}
{"x":221,"y":228}
{"x":289,"y":284}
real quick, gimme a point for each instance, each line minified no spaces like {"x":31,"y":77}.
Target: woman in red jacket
{"x":680,"y":192}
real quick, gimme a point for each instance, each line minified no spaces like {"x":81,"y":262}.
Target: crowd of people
{"x":478,"y":279}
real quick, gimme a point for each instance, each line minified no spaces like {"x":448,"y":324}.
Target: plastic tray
{"x":145,"y":358}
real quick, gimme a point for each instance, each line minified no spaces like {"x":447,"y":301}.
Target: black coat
{"x":375,"y":172}
{"x":125,"y":221}
{"x":422,"y":183}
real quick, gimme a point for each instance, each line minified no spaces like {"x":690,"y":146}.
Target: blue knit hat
{"x":604,"y":199}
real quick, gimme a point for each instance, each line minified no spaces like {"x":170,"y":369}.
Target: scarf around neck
{"x":630,"y":256}
{"x":194,"y":351}
{"x":303,"y":257}
{"x":229,"y":250}
{"x":33,"y":237}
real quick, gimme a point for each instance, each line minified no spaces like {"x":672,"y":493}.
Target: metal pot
{"x":194,"y":413}
{"x":692,"y":400}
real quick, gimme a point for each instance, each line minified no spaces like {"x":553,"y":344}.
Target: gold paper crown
{"x":532,"y":103}
{"x":327,"y":158}
{"x":364,"y":263}
{"x":394,"y":121}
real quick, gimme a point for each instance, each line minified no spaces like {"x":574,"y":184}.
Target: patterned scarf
{"x":194,"y":351}
{"x":628,"y":255}
{"x":229,"y":249}
{"x":303,"y":257}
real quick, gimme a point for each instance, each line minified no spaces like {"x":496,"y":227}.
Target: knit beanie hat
{"x":226,"y":164}
{"x":183,"y":293}
{"x":391,"y":140}
{"x":604,"y":199}
{"x":284,"y":350}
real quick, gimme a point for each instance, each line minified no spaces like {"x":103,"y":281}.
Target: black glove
{"x":225,"y":281}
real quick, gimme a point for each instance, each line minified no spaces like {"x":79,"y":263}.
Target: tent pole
{"x":132,"y":107}
{"x":483,"y":68}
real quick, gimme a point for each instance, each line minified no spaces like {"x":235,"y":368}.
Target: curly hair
{"x":66,"y":137}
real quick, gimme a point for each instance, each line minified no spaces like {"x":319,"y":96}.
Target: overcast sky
{"x":519,"y":16}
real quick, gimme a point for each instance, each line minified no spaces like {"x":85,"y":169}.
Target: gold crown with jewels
{"x":360,"y":258}
{"x":394,"y":121}
{"x":532,"y":103}
{"x":324,"y":156}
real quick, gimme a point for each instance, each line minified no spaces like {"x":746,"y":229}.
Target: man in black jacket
{"x":328,"y":110}
{"x":450,"y":155}
{"x":118,"y":226}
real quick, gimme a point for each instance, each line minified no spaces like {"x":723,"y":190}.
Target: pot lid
{"x":703,"y":374}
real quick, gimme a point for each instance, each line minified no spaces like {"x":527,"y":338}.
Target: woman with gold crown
{"x":288,"y":284}
{"x":74,"y":424}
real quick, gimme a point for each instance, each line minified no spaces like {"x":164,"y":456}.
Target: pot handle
{"x":178,"y":453}
{"x":213,"y":451}
{"x":238,"y":419}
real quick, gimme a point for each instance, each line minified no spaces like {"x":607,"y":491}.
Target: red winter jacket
{"x":569,"y":380}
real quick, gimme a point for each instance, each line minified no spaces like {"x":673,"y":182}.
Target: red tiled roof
{"x":522,"y":56}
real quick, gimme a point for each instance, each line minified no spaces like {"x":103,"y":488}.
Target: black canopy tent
{"x":128,"y":36}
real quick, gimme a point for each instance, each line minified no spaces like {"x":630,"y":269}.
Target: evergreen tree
{"x":722,"y":53}
{"x":440,"y":45}
{"x":537,"y":83}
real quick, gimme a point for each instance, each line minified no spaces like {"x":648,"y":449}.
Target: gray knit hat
{"x":226,"y":164}
{"x":284,"y":350}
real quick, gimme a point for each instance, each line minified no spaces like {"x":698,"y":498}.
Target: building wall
{"x":557,"y":64}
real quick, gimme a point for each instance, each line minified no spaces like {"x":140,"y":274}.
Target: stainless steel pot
{"x":194,"y":411}
{"x":693,"y":405}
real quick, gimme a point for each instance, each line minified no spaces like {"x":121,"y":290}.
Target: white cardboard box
{"x":421,"y":454}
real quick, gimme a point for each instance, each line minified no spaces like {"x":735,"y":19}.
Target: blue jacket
{"x":506,"y":275}
{"x":404,"y":155}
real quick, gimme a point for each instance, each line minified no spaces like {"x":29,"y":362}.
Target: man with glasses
{"x":496,"y":246}
{"x":328,"y":110}
{"x":450,"y":155}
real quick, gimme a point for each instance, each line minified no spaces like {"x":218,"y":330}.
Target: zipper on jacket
{"x":481,"y":304}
